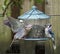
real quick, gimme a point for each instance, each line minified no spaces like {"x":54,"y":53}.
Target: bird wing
{"x":15,"y":24}
{"x":21,"y":33}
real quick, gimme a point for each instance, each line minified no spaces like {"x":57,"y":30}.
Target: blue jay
{"x":47,"y":32}
{"x":50,"y":34}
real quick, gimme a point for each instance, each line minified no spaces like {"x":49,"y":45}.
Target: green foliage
{"x":17,"y":3}
{"x":38,"y":1}
{"x":6,"y":2}
{"x":12,"y":3}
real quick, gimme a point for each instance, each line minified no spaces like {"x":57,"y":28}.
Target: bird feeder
{"x":35,"y":17}
{"x":38,"y":19}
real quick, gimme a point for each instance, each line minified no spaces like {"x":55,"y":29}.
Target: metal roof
{"x":34,"y":13}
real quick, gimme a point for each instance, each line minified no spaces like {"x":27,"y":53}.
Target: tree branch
{"x":6,"y":8}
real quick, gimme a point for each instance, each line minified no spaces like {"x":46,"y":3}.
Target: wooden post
{"x":40,"y":6}
{"x":15,"y":10}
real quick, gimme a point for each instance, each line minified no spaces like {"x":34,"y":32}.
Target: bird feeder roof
{"x":34,"y":13}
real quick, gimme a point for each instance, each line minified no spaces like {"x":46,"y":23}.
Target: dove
{"x":18,"y":27}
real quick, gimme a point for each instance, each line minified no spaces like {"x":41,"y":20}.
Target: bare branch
{"x":6,"y":8}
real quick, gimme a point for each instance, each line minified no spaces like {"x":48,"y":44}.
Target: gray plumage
{"x":18,"y":27}
{"x":14,"y":24}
